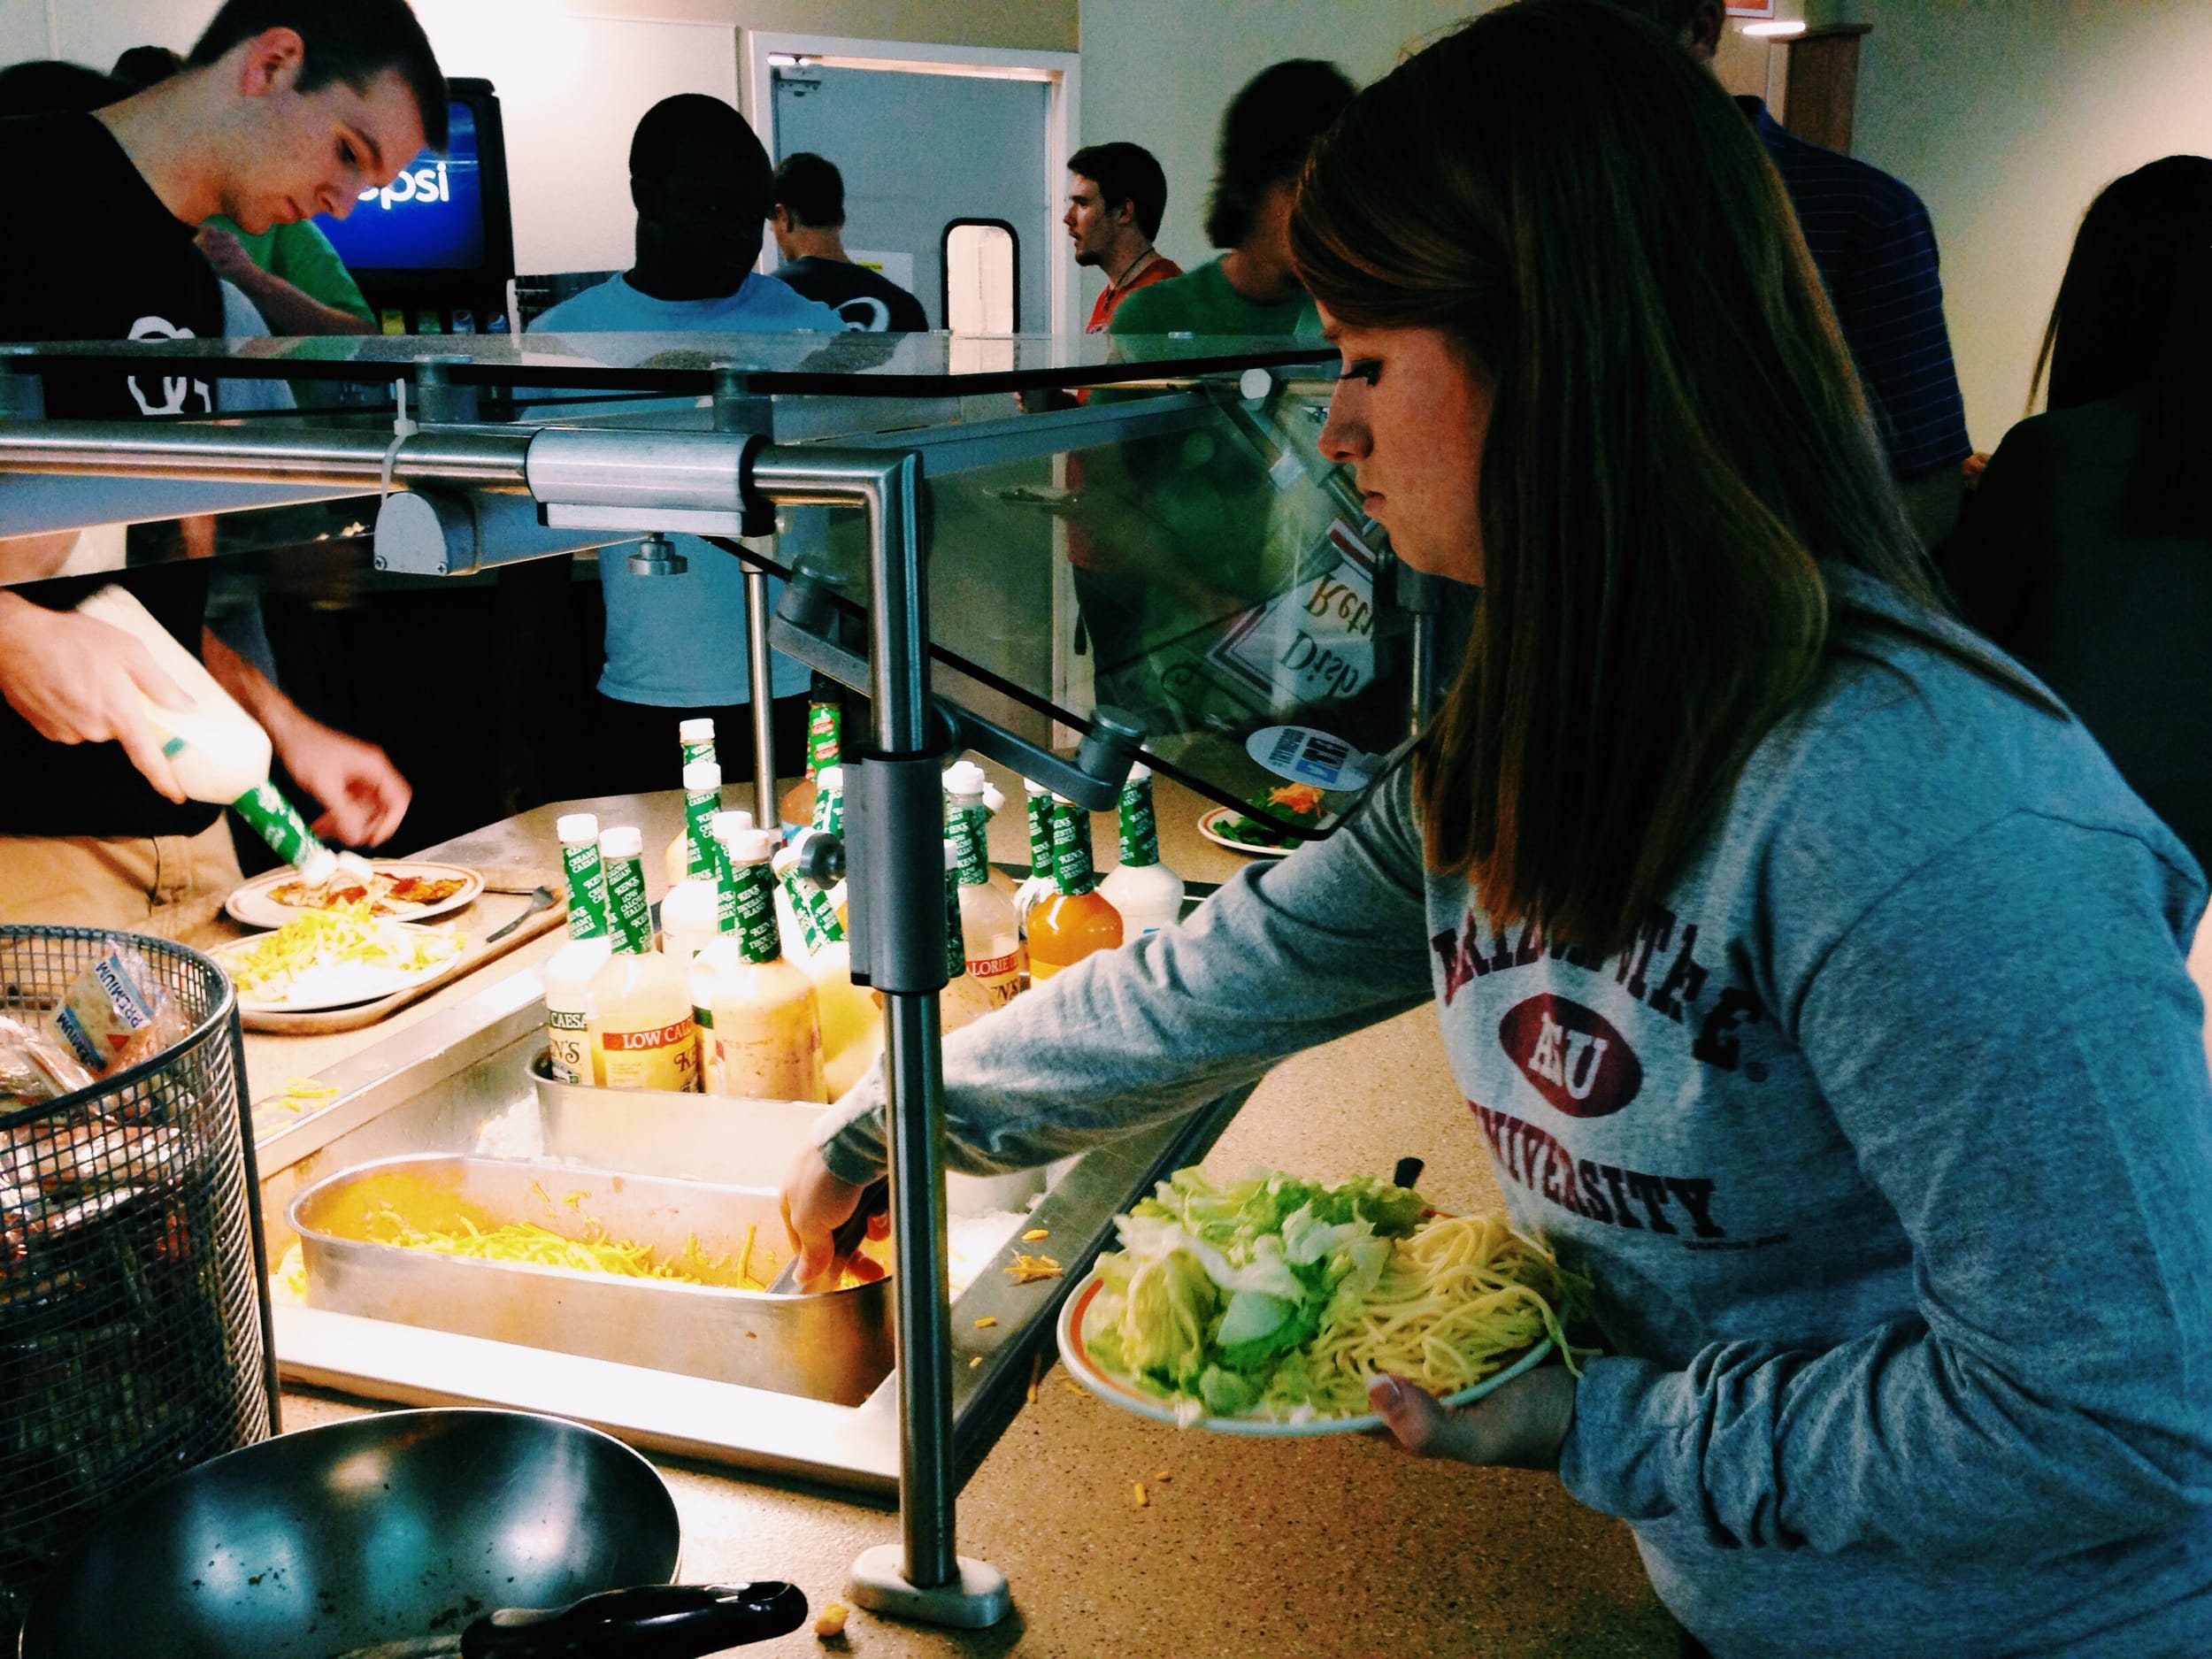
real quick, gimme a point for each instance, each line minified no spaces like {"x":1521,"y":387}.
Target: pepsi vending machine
{"x":434,"y":249}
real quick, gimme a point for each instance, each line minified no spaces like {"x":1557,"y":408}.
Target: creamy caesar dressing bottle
{"x":963,"y":1000}
{"x":852,"y":1018}
{"x":1077,"y":919}
{"x":568,"y":976}
{"x":695,"y":738}
{"x":760,"y":1027}
{"x":982,"y":915}
{"x":1147,"y":894}
{"x":829,"y":801}
{"x":217,"y":751}
{"x":642,"y":1033}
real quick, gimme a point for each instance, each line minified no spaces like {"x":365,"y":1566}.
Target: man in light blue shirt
{"x":675,"y":645}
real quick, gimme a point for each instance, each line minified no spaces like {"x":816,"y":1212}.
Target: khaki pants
{"x":172,"y":886}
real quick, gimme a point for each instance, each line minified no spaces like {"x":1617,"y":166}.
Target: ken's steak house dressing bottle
{"x":642,"y":1033}
{"x":760,"y":1025}
{"x":1077,"y":919}
{"x":217,"y":751}
{"x":569,"y":975}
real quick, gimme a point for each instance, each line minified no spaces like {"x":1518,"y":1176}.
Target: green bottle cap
{"x":277,"y":821}
{"x":1073,"y":870}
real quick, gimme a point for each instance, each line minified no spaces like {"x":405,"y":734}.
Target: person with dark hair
{"x":1815,"y":983}
{"x":1266,"y":132}
{"x":1875,"y":251}
{"x":1116,"y":197}
{"x":809,"y":225}
{"x":292,"y":274}
{"x":2087,"y":548}
{"x":703,"y":190}
{"x":289,"y":108}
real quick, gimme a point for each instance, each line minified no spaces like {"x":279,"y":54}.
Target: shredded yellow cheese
{"x":346,"y":936}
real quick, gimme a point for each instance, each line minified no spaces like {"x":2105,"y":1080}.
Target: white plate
{"x":251,"y":905}
{"x":371,"y":984}
{"x":1128,"y":1397}
{"x":1208,"y":823}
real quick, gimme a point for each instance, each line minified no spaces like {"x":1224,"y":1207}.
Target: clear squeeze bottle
{"x":760,"y":1026}
{"x":217,"y":751}
{"x":1077,"y":919}
{"x":568,"y":976}
{"x":642,"y":1033}
{"x":1147,"y":894}
{"x":990,"y":945}
{"x":697,"y":738}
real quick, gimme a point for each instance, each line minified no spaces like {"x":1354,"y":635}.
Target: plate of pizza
{"x":397,"y":890}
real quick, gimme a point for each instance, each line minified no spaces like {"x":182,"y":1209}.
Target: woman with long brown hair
{"x":1816,"y":985}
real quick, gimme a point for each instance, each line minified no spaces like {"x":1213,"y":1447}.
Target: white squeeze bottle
{"x":217,"y":751}
{"x":1147,"y":894}
{"x":990,"y":945}
{"x":697,"y":738}
{"x":760,"y":1025}
{"x":852,"y":1020}
{"x":963,"y":1000}
{"x":568,"y":976}
{"x":642,"y":1034}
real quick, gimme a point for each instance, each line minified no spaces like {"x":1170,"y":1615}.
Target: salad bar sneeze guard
{"x":531,"y":492}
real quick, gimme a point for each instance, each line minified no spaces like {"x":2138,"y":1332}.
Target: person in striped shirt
{"x":1870,"y":237}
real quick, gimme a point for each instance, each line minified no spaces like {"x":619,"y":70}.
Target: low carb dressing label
{"x":659,"y":1057}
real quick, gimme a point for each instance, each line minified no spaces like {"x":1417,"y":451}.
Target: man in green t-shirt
{"x":1196,"y":521}
{"x":1250,"y":289}
{"x":292,"y":274}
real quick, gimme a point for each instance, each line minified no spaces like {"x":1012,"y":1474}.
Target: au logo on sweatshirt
{"x":1576,"y":1057}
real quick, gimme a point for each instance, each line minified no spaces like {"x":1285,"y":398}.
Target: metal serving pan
{"x":834,"y":1346}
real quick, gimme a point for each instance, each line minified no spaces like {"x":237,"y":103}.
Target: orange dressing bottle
{"x":1077,"y":919}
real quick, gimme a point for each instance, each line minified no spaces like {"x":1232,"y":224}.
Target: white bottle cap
{"x":726,"y":822}
{"x":751,"y":846}
{"x":1139,"y":772}
{"x":316,"y":868}
{"x":965,"y":777}
{"x":1034,"y":787}
{"x":622,"y":841}
{"x":830,"y":778}
{"x":994,"y":797}
{"x":1060,"y":800}
{"x":701,"y":776}
{"x":355,"y":866}
{"x":694,"y":732}
{"x":577,"y":827}
{"x":952,"y":854}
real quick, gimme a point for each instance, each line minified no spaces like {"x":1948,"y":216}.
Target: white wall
{"x":2007,"y":116}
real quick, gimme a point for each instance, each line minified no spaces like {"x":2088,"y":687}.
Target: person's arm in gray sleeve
{"x":2012,"y":1043}
{"x":1288,"y":955}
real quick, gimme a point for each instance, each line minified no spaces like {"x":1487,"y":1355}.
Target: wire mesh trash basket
{"x":134,"y":1301}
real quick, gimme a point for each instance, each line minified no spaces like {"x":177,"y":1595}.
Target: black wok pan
{"x":386,"y":1529}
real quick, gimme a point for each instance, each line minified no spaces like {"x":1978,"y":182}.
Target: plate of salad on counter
{"x":1262,"y":1306}
{"x":1298,"y":803}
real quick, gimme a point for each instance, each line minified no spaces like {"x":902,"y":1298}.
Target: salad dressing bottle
{"x":1077,"y":919}
{"x":760,"y":1026}
{"x":852,"y":1018}
{"x":217,"y":751}
{"x":642,"y":1032}
{"x":964,"y":1000}
{"x":697,"y":738}
{"x":1039,"y":886}
{"x":824,"y":741}
{"x":1147,"y":894}
{"x":568,"y":976}
{"x":982,"y":915}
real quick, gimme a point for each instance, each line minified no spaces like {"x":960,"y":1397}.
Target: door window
{"x":982,"y":277}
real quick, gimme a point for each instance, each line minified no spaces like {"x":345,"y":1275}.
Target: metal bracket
{"x":656,"y":555}
{"x":439,"y":400}
{"x":450,"y":532}
{"x":902,"y":949}
{"x":22,"y":391}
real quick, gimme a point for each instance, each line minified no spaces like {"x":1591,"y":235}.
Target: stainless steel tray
{"x":834,"y":1346}
{"x":717,"y":1138}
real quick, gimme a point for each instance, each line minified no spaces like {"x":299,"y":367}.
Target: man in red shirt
{"x":1116,"y":195}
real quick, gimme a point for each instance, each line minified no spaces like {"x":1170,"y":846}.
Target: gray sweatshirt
{"x":1888,"y":1145}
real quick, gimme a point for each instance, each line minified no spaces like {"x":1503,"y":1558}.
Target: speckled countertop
{"x":1322,"y":1548}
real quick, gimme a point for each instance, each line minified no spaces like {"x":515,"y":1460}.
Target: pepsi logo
{"x":1575,"y":1058}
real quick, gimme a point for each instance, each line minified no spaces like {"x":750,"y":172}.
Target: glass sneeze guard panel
{"x":1183,"y":554}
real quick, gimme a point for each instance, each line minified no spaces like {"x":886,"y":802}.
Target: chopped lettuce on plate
{"x":1217,"y":1289}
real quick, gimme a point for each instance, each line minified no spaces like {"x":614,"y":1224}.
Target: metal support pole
{"x":923,"y":1578}
{"x":766,"y":812}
